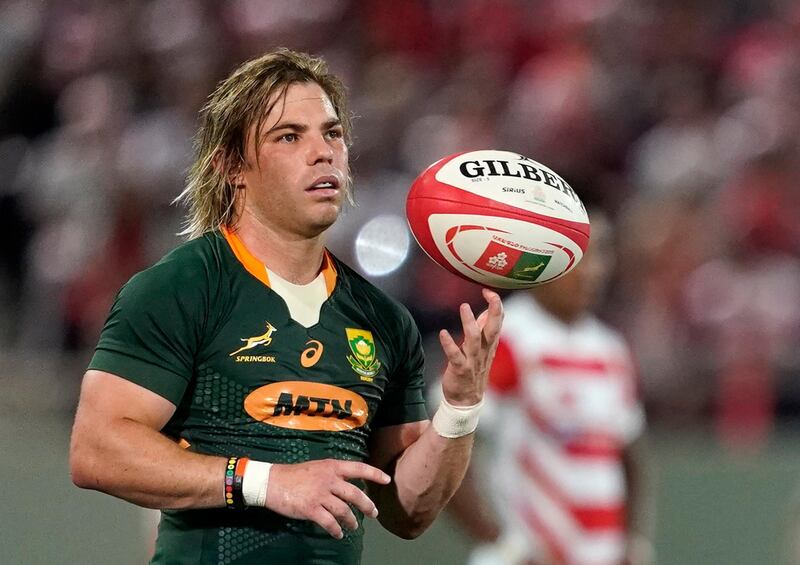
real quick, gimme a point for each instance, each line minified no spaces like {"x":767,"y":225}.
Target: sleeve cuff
{"x":163,"y":382}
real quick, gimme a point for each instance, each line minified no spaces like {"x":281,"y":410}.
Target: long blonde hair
{"x":240,"y":101}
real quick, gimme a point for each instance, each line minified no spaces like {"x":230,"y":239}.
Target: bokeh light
{"x":382,"y":245}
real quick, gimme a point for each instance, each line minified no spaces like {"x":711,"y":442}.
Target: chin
{"x":323,"y":221}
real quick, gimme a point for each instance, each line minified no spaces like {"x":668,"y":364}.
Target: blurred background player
{"x":561,"y":480}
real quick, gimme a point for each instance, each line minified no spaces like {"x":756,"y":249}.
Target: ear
{"x":236,"y":177}
{"x":234,"y":174}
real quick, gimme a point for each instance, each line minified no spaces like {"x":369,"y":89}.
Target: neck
{"x":293,"y":257}
{"x":562,"y":313}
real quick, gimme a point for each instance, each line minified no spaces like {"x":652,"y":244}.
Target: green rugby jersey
{"x":203,"y":329}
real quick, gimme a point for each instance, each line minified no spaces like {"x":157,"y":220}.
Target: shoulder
{"x":520,"y":305}
{"x":604,"y":335}
{"x":202,"y":254}
{"x":187,"y":269}
{"x":525,"y":320}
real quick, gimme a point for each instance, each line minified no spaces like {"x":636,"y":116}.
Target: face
{"x":293,"y":182}
{"x":576,"y":292}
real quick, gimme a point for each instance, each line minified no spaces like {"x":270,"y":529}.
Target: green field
{"x":713,"y":508}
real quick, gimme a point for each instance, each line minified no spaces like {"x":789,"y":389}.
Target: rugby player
{"x":253,"y":387}
{"x":566,"y":480}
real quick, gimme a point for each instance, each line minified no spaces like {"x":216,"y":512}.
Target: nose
{"x":319,"y":151}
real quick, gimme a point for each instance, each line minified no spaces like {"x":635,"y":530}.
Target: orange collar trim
{"x":259,"y":270}
{"x":329,"y":272}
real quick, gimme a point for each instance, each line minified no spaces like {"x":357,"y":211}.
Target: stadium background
{"x":679,"y":118}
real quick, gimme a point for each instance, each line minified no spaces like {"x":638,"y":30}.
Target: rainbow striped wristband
{"x":234,"y":476}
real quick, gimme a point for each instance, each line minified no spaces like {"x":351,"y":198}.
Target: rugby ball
{"x":498,"y":218}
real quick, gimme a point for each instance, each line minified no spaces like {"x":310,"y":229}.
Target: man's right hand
{"x":319,"y":491}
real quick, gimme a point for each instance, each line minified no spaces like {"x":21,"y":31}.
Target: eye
{"x":288,"y":138}
{"x":335,"y":133}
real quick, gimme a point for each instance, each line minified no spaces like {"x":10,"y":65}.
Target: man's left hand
{"x":464,"y":379}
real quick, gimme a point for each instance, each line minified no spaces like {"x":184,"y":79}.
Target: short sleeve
{"x":154,"y":329}
{"x":504,"y":372}
{"x":404,"y":398}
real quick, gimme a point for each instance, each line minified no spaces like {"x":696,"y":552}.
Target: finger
{"x":355,"y":496}
{"x":482,"y":318}
{"x":327,"y":522}
{"x":451,"y":348}
{"x":341,"y":511}
{"x":489,"y":295}
{"x":357,"y":470}
{"x":493,"y":300}
{"x":494,"y":315}
{"x":472,"y":333}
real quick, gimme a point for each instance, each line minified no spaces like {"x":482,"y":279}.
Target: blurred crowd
{"x":679,"y":118}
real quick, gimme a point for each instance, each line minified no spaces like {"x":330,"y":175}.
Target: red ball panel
{"x":418,"y":210}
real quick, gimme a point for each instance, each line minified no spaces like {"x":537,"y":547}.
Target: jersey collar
{"x":259,"y":270}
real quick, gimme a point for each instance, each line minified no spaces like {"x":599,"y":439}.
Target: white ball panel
{"x":511,"y":179}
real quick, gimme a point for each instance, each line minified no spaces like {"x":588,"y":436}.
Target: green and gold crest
{"x":363,"y":359}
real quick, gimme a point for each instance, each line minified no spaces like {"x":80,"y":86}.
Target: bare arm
{"x":472,"y":512}
{"x":640,"y":506}
{"x":426,"y":474}
{"x":428,"y":468}
{"x":117,"y":448}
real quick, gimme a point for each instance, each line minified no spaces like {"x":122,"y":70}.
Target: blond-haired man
{"x":270,"y":447}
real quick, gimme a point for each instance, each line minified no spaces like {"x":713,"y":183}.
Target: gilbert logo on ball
{"x":498,"y":218}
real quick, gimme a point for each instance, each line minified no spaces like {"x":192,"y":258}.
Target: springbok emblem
{"x":533,"y":268}
{"x":251,"y":342}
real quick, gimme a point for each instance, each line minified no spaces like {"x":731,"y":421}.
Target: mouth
{"x":326,"y":186}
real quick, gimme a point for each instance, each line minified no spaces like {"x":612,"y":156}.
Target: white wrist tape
{"x":456,"y":421}
{"x":254,"y":483}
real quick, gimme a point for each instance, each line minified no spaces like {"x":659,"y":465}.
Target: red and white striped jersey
{"x":562,"y":405}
